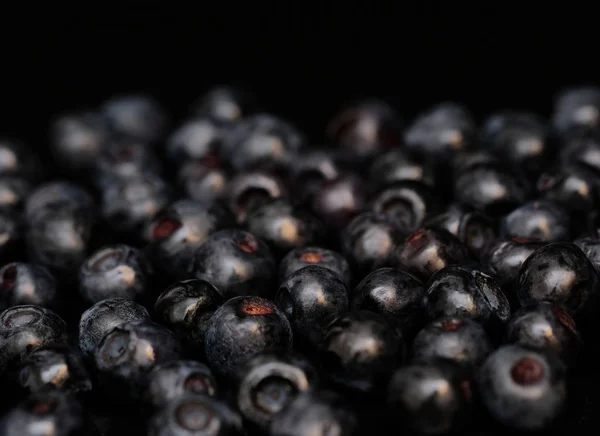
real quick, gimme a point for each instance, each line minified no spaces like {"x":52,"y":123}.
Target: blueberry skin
{"x":309,"y":171}
{"x":124,"y":160}
{"x":590,"y":245}
{"x":269,"y":382}
{"x":49,"y":412}
{"x":59,"y":195}
{"x":560,"y":273}
{"x":26,"y":328}
{"x":396,"y":166}
{"x":361,"y":350}
{"x":474,"y":229}
{"x":315,"y":412}
{"x":427,"y":251}
{"x":18,"y":159}
{"x":241,"y":328}
{"x":521,"y":388}
{"x":236,"y":262}
{"x":574,"y":187}
{"x":54,"y":367}
{"x":196,"y":139}
{"x":339,"y":200}
{"x":117,"y":271}
{"x":311,"y":298}
{"x":127,"y":352}
{"x":102,"y":317}
{"x":23,"y":283}
{"x":13,"y":192}
{"x":170,"y":380}
{"x":459,"y":340}
{"x":185,"y":308}
{"x":203,"y":181}
{"x":305,"y":256}
{"x":369,"y":240}
{"x":466,"y":292}
{"x":541,"y":219}
{"x":393,"y":293}
{"x":224,"y":103}
{"x":547,"y":328}
{"x":285,"y":227}
{"x":576,"y":109}
{"x":427,"y":397}
{"x":195,"y":414}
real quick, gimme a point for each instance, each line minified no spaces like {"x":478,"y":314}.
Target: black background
{"x":302,"y":60}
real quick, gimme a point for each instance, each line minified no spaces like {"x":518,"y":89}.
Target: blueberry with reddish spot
{"x":284,"y":226}
{"x":127,"y":352}
{"x":236,"y":262}
{"x":311,"y":298}
{"x":117,"y":271}
{"x":176,"y":232}
{"x":541,"y":219}
{"x":461,"y":341}
{"x":361,"y":350}
{"x":339,"y":200}
{"x":393,"y":293}
{"x":369,"y":240}
{"x":241,"y":328}
{"x":26,"y":328}
{"x":315,"y":412}
{"x":194,"y":414}
{"x":521,"y":388}
{"x":560,"y":273}
{"x":545,"y":327}
{"x":186,"y":307}
{"x":428,"y":250}
{"x":269,"y":382}
{"x":249,"y":190}
{"x":305,"y":256}
{"x":170,"y":380}
{"x":102,"y":317}
{"x":461,"y":291}
{"x":24,"y":283}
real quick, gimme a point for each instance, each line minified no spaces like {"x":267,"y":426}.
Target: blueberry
{"x":54,"y":367}
{"x":249,"y":190}
{"x":455,"y":339}
{"x":466,"y":292}
{"x":339,"y":200}
{"x":23,"y":283}
{"x":203,"y":181}
{"x":474,"y":229}
{"x":581,"y":149}
{"x":545,"y":327}
{"x":541,"y":219}
{"x":408,"y":203}
{"x":26,"y":328}
{"x":269,"y":382}
{"x":200,"y":138}
{"x":365,"y":128}
{"x":77,"y":139}
{"x":315,"y":412}
{"x":393,"y":293}
{"x":284,"y":227}
{"x":262,"y":141}
{"x":17,"y":159}
{"x":441,"y":130}
{"x":13,"y":192}
{"x":521,"y":388}
{"x":305,"y":256}
{"x":176,"y":232}
{"x":52,"y":413}
{"x":361,"y":350}
{"x":309,"y":171}
{"x":195,"y":414}
{"x":59,"y":195}
{"x":102,"y":317}
{"x":590,"y":245}
{"x":171,"y":380}
{"x":241,"y":328}
{"x":369,"y":240}
{"x":427,"y":398}
{"x":186,"y":308}
{"x":560,"y":273}
{"x":235,"y":262}
{"x":428,"y":250}
{"x":397,"y":166}
{"x":139,"y":117}
{"x":576,"y":109}
{"x":311,"y":298}
{"x":224,"y":103}
{"x":128,"y":204}
{"x":127,"y":352}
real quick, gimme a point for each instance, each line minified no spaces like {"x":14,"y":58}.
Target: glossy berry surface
{"x":542,"y":219}
{"x":241,"y":328}
{"x":305,"y":256}
{"x":23,"y":283}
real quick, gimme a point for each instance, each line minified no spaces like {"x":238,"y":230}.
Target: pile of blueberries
{"x":229,"y":277}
